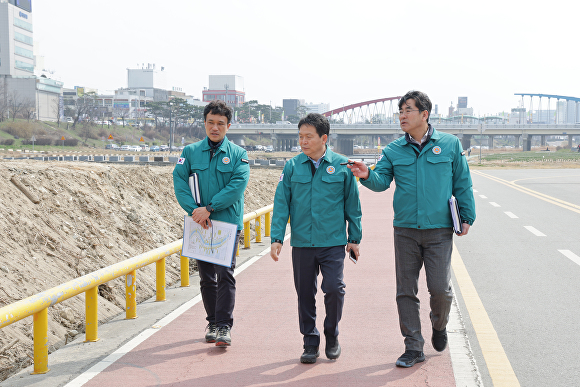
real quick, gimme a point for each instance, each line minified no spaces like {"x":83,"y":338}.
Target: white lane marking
{"x":141,"y":337}
{"x":534,"y":231}
{"x":573,"y":257}
{"x":483,"y":196}
{"x":511,"y":215}
{"x":494,"y":204}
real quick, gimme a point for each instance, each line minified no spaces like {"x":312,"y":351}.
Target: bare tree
{"x":3,"y":101}
{"x":56,"y":110}
{"x":28,"y":109}
{"x":15,"y":104}
{"x":123,"y":113}
{"x":83,"y":107}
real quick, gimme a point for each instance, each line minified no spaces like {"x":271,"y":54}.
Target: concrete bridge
{"x":284,"y":137}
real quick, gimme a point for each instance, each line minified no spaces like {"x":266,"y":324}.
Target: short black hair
{"x":219,"y":108}
{"x":318,"y":121}
{"x":421,"y":99}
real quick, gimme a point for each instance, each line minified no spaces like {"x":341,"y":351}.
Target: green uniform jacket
{"x":319,"y":205}
{"x":424,"y":183}
{"x":222,"y":180}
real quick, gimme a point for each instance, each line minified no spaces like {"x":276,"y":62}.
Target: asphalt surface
{"x":522,"y":256}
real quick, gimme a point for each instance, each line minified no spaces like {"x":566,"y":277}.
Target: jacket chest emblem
{"x":226,"y":160}
{"x":330,"y":170}
{"x":437,"y":150}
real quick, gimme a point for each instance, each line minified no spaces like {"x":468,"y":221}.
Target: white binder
{"x":455,"y":215}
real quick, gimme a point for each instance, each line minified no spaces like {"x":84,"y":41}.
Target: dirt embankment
{"x":86,"y":217}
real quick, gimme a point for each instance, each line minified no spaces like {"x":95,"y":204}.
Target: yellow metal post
{"x":247,"y":234}
{"x":184,"y":271}
{"x":258,"y":224}
{"x":91,"y":314}
{"x":268,"y":221}
{"x":160,"y":271}
{"x":130,"y":295}
{"x":40,"y":332}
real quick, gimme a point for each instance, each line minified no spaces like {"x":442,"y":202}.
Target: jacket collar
{"x":205,"y":145}
{"x":329,"y":156}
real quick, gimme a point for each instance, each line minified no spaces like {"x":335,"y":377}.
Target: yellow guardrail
{"x":38,"y":304}
{"x":257,"y":215}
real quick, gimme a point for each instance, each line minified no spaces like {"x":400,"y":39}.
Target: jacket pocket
{"x":301,"y":179}
{"x":198,"y":167}
{"x":439,"y":167}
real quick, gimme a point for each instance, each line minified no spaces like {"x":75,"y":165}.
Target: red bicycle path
{"x":266,"y":342}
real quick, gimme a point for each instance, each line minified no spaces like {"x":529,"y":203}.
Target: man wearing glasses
{"x":428,"y":168}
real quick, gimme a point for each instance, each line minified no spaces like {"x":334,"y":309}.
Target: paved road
{"x":523,"y":256}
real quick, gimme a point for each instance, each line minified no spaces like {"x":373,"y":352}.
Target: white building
{"x":16,"y":43}
{"x":228,"y":88}
{"x":317,"y":107}
{"x":17,"y":62}
{"x":149,"y":79}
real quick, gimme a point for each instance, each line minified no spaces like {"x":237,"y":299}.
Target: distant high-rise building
{"x":16,"y":43}
{"x":228,"y":88}
{"x":461,"y":102}
{"x":17,"y":62}
{"x":291,"y":106}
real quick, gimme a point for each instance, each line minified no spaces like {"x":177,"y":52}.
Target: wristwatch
{"x":209,"y":208}
{"x":277,"y":241}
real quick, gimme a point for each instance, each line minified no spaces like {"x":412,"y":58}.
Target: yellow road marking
{"x":498,"y":365}
{"x":539,"y":195}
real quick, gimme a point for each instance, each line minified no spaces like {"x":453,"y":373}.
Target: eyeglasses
{"x":407,"y":111}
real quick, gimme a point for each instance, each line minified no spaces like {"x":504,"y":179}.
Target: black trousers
{"x":308,"y":262}
{"x":218,"y":290}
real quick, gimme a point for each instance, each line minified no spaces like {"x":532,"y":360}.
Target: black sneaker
{"x":439,"y":339}
{"x":332,"y":348}
{"x":211,"y":333}
{"x":310,"y":354}
{"x":409,"y":358}
{"x":223,"y":338}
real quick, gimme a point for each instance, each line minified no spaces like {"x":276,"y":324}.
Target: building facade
{"x":228,"y":88}
{"x":16,"y":41}
{"x":319,"y":108}
{"x":17,"y":64}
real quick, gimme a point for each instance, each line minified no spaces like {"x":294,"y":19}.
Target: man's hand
{"x":359,"y":169}
{"x":355,"y":248}
{"x":275,"y":250}
{"x":464,"y":229}
{"x":201,"y":216}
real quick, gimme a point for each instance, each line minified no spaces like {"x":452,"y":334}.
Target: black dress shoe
{"x":332,"y":348}
{"x":310,"y":354}
{"x":439,"y":339}
{"x":409,"y":358}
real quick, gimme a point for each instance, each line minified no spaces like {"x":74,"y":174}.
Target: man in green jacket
{"x":223,"y":172}
{"x":428,"y":168}
{"x":320,"y":196}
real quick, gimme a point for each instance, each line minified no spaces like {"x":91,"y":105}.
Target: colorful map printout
{"x":214,"y":245}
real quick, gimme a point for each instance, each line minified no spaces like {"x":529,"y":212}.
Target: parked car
{"x":135,"y":148}
{"x":269,"y":148}
{"x":155,"y":148}
{"x":295,"y":149}
{"x":163,"y":148}
{"x":144,"y":148}
{"x":125,"y":147}
{"x":112,"y":146}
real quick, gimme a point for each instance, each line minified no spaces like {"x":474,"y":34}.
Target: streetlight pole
{"x":170,"y":128}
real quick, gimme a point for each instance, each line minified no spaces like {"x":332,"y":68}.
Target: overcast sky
{"x":337,"y":52}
